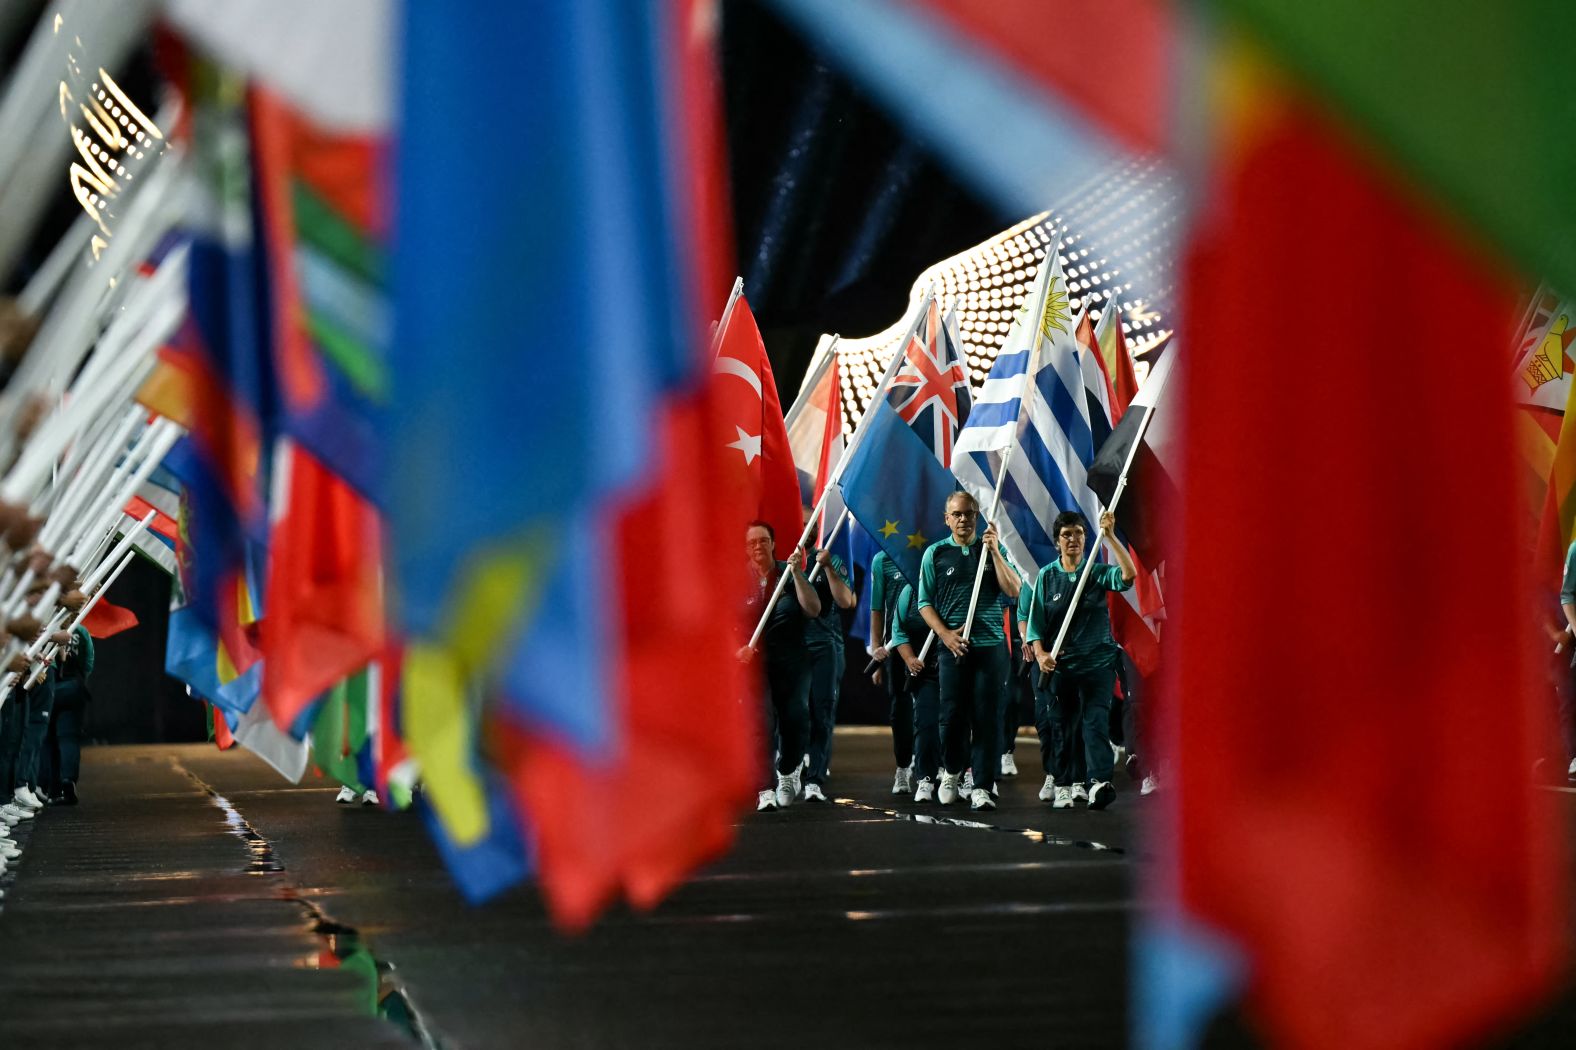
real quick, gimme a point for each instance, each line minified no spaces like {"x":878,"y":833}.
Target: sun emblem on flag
{"x":1057,"y":315}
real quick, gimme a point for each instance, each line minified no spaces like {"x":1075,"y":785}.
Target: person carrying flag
{"x":921,"y":682}
{"x":973,"y":672}
{"x":1082,"y":676}
{"x":886,"y":585}
{"x":786,"y":664}
{"x":823,"y":638}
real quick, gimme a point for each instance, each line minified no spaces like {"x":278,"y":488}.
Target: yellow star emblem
{"x":1057,"y":315}
{"x":917,"y":540}
{"x":889,"y":529}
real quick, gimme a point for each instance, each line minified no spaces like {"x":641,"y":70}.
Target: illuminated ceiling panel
{"x":1131,"y":216}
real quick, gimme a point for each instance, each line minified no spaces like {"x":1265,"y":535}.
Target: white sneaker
{"x":346,"y":796}
{"x":979,"y":798}
{"x":1009,"y":766}
{"x":926,"y":791}
{"x":968,"y":783}
{"x":1063,"y":798}
{"x":765,"y":800}
{"x":903,"y":782}
{"x":25,"y":797}
{"x":10,"y":851}
{"x":1150,"y":786}
{"x":787,"y":788}
{"x":1048,"y":789}
{"x":949,"y":789}
{"x":1080,"y":792}
{"x":1102,"y":795}
{"x":24,"y":813}
{"x":9,"y":817}
{"x":813,"y":793}
{"x":369,"y":798}
{"x":1571,"y":772}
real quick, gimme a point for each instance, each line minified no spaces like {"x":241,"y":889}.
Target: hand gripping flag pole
{"x":842,"y":462}
{"x":1116,"y":497}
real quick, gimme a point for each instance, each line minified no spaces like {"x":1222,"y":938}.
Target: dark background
{"x":836,"y":211}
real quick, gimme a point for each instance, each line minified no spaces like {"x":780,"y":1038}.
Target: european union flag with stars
{"x":896,"y":488}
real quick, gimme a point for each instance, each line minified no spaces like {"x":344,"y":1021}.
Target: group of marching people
{"x":942,"y":652}
{"x":41,"y":736}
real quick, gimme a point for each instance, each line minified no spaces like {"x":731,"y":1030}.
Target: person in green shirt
{"x":886,"y":583}
{"x":972,"y":671}
{"x":63,"y":745}
{"x":823,"y":637}
{"x":922,"y":684}
{"x":1082,"y":675}
{"x":785,"y":665}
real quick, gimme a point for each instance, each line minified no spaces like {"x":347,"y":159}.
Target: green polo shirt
{"x":946,"y":580}
{"x":1089,"y":645}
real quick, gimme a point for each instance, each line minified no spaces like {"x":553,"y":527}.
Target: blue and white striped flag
{"x":1048,"y":420}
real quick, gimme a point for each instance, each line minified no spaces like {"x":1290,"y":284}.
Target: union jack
{"x":930,"y":392}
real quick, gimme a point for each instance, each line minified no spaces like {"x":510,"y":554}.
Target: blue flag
{"x":896,"y":488}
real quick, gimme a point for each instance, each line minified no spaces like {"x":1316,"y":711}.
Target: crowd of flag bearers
{"x":953,"y":703}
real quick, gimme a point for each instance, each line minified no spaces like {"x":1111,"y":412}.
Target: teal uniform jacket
{"x":886,"y":583}
{"x":1088,"y":645}
{"x":946,"y":580}
{"x":826,"y":630}
{"x":783,"y":641}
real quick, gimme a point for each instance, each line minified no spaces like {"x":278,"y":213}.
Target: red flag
{"x":1357,"y":712}
{"x":599,"y":829}
{"x":106,"y":619}
{"x":223,"y":739}
{"x":324,"y":617}
{"x":759,"y":459}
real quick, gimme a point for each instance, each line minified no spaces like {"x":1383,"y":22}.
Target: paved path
{"x":195,"y":899}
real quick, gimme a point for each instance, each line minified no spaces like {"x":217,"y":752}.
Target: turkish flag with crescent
{"x":762,"y":464}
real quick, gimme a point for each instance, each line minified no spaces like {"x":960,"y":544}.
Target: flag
{"x":160,"y":494}
{"x":896,"y":489}
{"x":255,"y":730}
{"x":1543,"y":364}
{"x":1152,"y":486}
{"x":1053,"y":443}
{"x":105,"y":619}
{"x":1111,"y":343}
{"x":531,"y":345}
{"x":597,"y":834}
{"x":340,"y":731}
{"x":930,"y":389}
{"x":858,"y":550}
{"x":897,"y":481}
{"x":762,"y":457}
{"x":816,"y":417}
{"x":1309,"y":870}
{"x":322,"y":203}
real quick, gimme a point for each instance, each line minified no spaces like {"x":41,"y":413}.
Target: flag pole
{"x":842,"y":462}
{"x":1116,"y":497}
{"x":734,"y":294}
{"x":830,"y":536}
{"x":1032,"y":367}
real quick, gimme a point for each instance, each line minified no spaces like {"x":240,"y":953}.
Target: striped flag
{"x":1056,"y":434}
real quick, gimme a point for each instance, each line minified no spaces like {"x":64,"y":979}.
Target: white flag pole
{"x":830,"y":536}
{"x":1116,"y":497}
{"x":721,"y":326}
{"x":842,"y":463}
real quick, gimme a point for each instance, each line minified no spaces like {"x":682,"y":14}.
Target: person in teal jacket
{"x":63,"y":746}
{"x":1082,"y":674}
